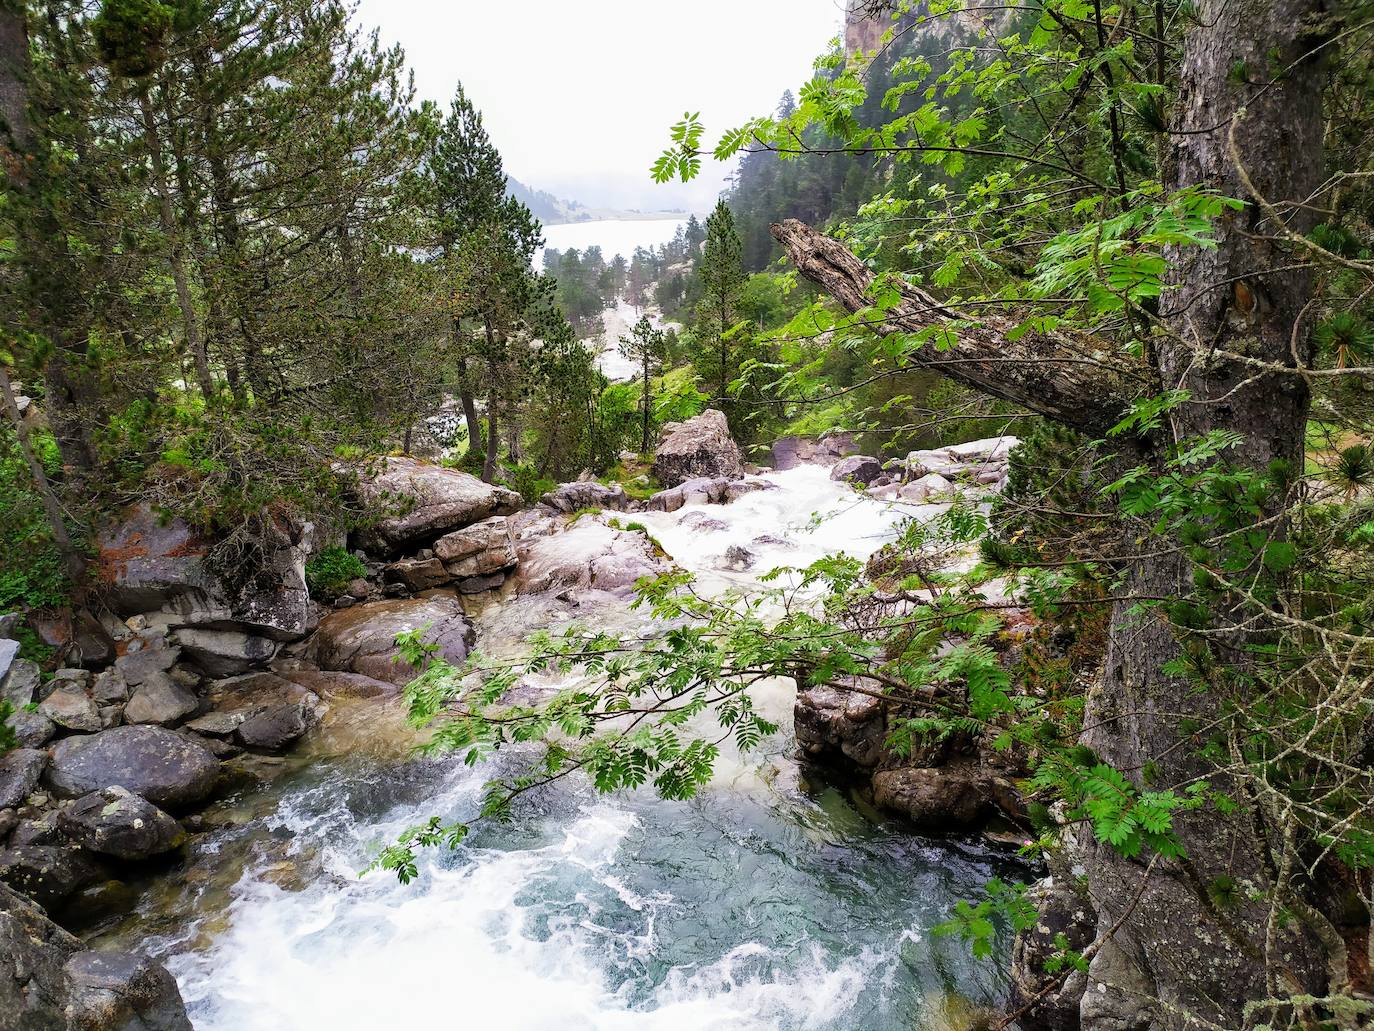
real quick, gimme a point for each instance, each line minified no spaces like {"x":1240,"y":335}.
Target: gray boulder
{"x":32,"y":729}
{"x":225,"y":653}
{"x":160,"y":700}
{"x":569,"y":497}
{"x":840,"y":727}
{"x":701,"y":446}
{"x":421,"y":502}
{"x":20,"y":682}
{"x":362,"y":639}
{"x":168,"y":769}
{"x":482,"y":549}
{"x":48,"y":874}
{"x":119,"y":991}
{"x":260,"y":710}
{"x":829,"y":448}
{"x":860,"y":469}
{"x":33,"y":983}
{"x":150,"y":565}
{"x":20,"y":770}
{"x":589,"y":554}
{"x":116,"y":822}
{"x":70,"y":705}
{"x":705,"y":490}
{"x":154,"y":655}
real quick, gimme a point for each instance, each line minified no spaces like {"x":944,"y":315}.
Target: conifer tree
{"x":645,"y":347}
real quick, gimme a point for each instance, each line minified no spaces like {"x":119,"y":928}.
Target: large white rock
{"x":700,"y":447}
{"x":588,"y":555}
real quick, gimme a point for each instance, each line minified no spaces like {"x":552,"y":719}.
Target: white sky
{"x":579,"y":96}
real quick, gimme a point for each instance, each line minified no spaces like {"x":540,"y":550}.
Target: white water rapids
{"x":761,"y":904}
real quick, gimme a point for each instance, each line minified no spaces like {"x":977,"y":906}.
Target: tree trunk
{"x":1173,"y":954}
{"x":14,"y":93}
{"x":175,"y":257}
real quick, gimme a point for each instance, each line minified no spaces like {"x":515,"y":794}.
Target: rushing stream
{"x":765,"y":903}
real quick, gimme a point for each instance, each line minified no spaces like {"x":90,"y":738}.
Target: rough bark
{"x":14,"y":99}
{"x":1169,"y":955}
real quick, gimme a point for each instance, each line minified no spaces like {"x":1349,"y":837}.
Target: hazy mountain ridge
{"x":552,"y":210}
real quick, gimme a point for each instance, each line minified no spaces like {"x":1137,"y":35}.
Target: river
{"x":767,"y":902}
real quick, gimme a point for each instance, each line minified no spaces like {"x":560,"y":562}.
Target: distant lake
{"x":613,"y":236}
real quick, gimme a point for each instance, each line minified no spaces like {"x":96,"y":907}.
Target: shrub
{"x":329,"y":573}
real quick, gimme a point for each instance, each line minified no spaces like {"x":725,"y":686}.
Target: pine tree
{"x":645,"y":346}
{"x":722,"y":277}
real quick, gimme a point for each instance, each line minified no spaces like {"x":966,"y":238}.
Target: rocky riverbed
{"x":219,"y":761}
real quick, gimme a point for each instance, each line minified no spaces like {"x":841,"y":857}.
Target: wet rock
{"x":160,"y":700}
{"x":32,"y":729}
{"x":336,"y":684}
{"x":829,"y":448}
{"x":20,"y":770}
{"x":48,"y":874}
{"x":225,"y":653}
{"x":260,"y":710}
{"x":858,"y":469}
{"x":20,"y":681}
{"x":834,"y":725}
{"x":417,"y":574}
{"x":276,"y":726}
{"x":950,"y":797}
{"x":478,"y":550}
{"x":33,"y":981}
{"x":168,"y":769}
{"x":118,"y":990}
{"x":738,"y":558}
{"x":362,"y":639}
{"x":700,"y":522}
{"x":116,"y":822}
{"x":704,"y":490}
{"x":148,"y":565}
{"x":481,"y":584}
{"x":589,"y":554}
{"x":69,"y":705}
{"x":427,"y":502}
{"x":700,"y":447}
{"x":570,"y":497}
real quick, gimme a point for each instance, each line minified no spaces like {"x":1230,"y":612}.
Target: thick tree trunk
{"x":14,"y":94}
{"x":1169,"y":957}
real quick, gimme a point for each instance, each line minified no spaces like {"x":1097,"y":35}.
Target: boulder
{"x":261,"y":711}
{"x":70,"y":705}
{"x":860,"y":469}
{"x":119,"y":990}
{"x":48,"y":874}
{"x":116,"y":822}
{"x":225,"y":653}
{"x":931,"y":485}
{"x":155,"y":656}
{"x":589,"y":554}
{"x":160,"y":700}
{"x":362,"y":639}
{"x":705,"y":490}
{"x":20,"y":682}
{"x":940,"y":798}
{"x":829,"y":448}
{"x":482,"y":549}
{"x":840,"y":727}
{"x":33,"y":982}
{"x":32,"y":729}
{"x":701,"y":446}
{"x":168,"y":769}
{"x":422,"y":502}
{"x":570,"y":497}
{"x":109,"y":688}
{"x":990,"y":449}
{"x":1061,"y":909}
{"x":20,"y":770}
{"x":91,"y":645}
{"x":480,"y":584}
{"x":148,"y":564}
{"x":417,"y":574}
{"x":9,"y":655}
{"x":738,"y":558}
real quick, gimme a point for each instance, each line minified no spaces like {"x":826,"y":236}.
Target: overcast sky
{"x":579,"y":96}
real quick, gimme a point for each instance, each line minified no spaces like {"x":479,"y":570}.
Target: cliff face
{"x":864,"y":23}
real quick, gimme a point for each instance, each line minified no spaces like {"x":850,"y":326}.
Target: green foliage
{"x":32,"y":573}
{"x":329,"y":573}
{"x":130,"y":34}
{"x":8,"y":739}
{"x":525,"y":480}
{"x":976,"y":923}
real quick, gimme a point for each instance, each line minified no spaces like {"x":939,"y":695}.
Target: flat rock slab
{"x":168,"y":769}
